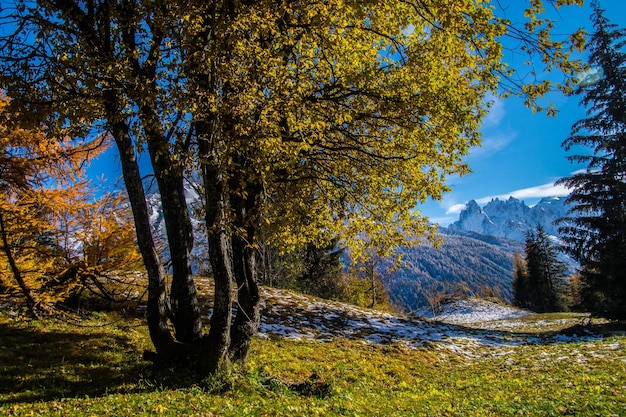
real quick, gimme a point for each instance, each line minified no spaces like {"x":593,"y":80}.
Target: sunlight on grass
{"x":55,"y":368}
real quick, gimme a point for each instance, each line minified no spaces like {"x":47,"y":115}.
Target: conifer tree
{"x":520,"y":282}
{"x":595,"y":229}
{"x":545,"y":272}
{"x":323,"y":269}
{"x":40,"y":184}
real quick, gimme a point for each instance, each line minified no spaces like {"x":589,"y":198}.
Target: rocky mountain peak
{"x":511,"y":218}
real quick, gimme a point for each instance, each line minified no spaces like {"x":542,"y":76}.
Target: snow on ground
{"x":296,"y":316}
{"x":471,"y":311}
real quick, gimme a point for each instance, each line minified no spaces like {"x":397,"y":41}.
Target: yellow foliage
{"x":349,"y":114}
{"x":337,"y":118}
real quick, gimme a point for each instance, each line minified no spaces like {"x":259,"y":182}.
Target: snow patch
{"x":296,"y":316}
{"x":471,"y":311}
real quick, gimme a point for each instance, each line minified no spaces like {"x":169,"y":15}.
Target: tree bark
{"x":248,"y":316}
{"x":164,"y":343}
{"x":215,"y":355}
{"x":247,"y":320}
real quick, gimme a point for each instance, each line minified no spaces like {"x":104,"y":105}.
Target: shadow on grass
{"x":40,"y":365}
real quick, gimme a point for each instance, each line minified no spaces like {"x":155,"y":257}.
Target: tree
{"x":315,"y":269}
{"x":39,"y":186}
{"x":521,"y":289}
{"x":540,"y":277}
{"x":323,"y":269}
{"x":302,"y":120}
{"x":595,"y":229}
{"x":97,"y":240}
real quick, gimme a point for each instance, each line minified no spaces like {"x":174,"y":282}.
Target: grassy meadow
{"x":93,"y":367}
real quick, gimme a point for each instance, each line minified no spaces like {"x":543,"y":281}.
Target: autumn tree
{"x":39,"y":186}
{"x":96,"y":239}
{"x":302,"y":120}
{"x":595,"y":228}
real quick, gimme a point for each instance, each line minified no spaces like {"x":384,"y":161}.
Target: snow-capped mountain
{"x":477,"y":252}
{"x":511,"y":218}
{"x":199,"y":254}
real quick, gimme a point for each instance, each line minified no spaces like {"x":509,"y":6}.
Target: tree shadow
{"x":41,"y":365}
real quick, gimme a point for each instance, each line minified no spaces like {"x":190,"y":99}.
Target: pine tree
{"x":595,"y":229}
{"x":545,"y":273}
{"x":323,"y":269}
{"x":520,"y":282}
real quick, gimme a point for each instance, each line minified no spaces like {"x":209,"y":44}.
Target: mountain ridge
{"x":511,"y":218}
{"x":477,"y":254}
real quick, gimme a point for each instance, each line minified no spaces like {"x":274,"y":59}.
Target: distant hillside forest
{"x":466,"y":262}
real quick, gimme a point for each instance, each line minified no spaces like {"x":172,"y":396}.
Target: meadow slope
{"x":314,"y":357}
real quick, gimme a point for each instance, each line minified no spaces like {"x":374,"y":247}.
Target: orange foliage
{"x":53,"y":231}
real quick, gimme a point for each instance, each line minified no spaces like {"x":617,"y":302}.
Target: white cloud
{"x":493,"y":143}
{"x":496,"y":113}
{"x":456,"y":208}
{"x":495,"y":136}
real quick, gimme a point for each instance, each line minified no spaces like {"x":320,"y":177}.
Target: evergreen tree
{"x":595,"y":229}
{"x":315,"y":269}
{"x":322,"y":270}
{"x":544,"y":275}
{"x":520,"y":282}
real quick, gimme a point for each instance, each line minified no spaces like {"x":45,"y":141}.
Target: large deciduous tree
{"x":304,"y":121}
{"x":595,"y":229}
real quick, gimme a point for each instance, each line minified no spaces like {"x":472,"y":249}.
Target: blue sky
{"x":521,"y":154}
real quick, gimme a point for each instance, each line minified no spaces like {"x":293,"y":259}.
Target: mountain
{"x":466,"y":262}
{"x":512,"y":218}
{"x":477,"y":254}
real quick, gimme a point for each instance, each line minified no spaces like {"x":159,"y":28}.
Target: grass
{"x":95,"y":368}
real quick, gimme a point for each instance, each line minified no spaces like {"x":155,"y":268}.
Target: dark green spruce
{"x":594,"y":231}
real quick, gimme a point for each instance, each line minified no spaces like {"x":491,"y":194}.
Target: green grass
{"x":54,"y":368}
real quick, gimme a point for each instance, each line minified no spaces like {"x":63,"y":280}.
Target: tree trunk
{"x":247,"y":319}
{"x":183,"y":298}
{"x":31,"y":301}
{"x":214,"y":356}
{"x":184,"y":304}
{"x":184,"y":309}
{"x":160,"y":334}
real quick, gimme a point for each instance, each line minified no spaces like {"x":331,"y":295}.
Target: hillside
{"x":299,"y":317}
{"x":319,"y":358}
{"x":465,"y":260}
